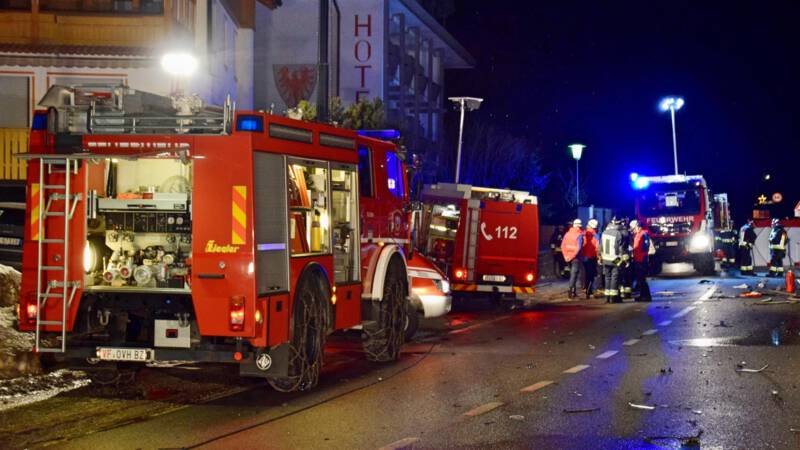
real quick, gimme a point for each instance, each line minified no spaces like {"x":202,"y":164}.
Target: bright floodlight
{"x":470,"y":103}
{"x":577,"y":150}
{"x":669,"y":103}
{"x":641,"y":183}
{"x":179,"y":63}
{"x":634,"y":176}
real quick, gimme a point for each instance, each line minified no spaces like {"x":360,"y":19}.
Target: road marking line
{"x":683,"y":312}
{"x":665,"y":323}
{"x":630,"y":342}
{"x":709,"y":293}
{"x":477,"y":325}
{"x":536,"y":386}
{"x":402,"y":443}
{"x":608,"y":354}
{"x":650,"y":332}
{"x":577,"y":368}
{"x":483,"y":409}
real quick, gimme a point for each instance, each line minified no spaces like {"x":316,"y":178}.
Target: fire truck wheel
{"x":705,"y":265}
{"x":386,"y":333}
{"x":309,"y":330}
{"x":412,"y":322}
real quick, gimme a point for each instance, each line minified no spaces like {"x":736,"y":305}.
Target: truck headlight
{"x":89,"y":257}
{"x":445,"y":287}
{"x":699,"y":242}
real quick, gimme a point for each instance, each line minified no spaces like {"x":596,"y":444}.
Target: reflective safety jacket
{"x":591,"y":245}
{"x":727,"y":236}
{"x":747,"y":236}
{"x":778,"y":238}
{"x":572,"y":244}
{"x":612,"y":245}
{"x":641,"y":246}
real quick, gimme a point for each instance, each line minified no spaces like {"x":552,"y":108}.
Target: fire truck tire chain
{"x":385,"y":337}
{"x":309,"y":329}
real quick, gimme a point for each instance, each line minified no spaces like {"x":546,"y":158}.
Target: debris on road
{"x":751,"y":294}
{"x":580,"y":410}
{"x":666,"y":371}
{"x":748,"y":370}
{"x":769,"y":301}
{"x":516,"y":417}
{"x":642,"y":407}
{"x":666,"y":293}
{"x":697,"y":411}
{"x":705,"y":282}
{"x":722,"y":324}
{"x":741,"y":286}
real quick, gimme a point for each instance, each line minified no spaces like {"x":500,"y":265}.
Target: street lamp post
{"x":464,"y":104}
{"x":673,"y":104}
{"x":577,"y":151}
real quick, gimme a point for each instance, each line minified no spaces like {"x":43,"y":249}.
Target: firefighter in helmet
{"x":612,"y":252}
{"x":727,"y":238}
{"x":589,"y":252}
{"x":625,"y":268}
{"x":641,"y":248}
{"x":747,"y":240}
{"x":778,"y":241}
{"x":571,"y":248}
{"x":559,"y":265}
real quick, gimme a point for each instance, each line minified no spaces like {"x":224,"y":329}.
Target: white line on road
{"x":709,"y":293}
{"x":483,"y":409}
{"x":402,"y":443}
{"x":577,"y":368}
{"x":683,"y":312}
{"x":536,"y":386}
{"x":665,"y":323}
{"x":630,"y":342}
{"x":650,"y":332}
{"x":608,"y":354}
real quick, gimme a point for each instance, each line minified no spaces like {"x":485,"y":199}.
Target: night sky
{"x":593,"y":72}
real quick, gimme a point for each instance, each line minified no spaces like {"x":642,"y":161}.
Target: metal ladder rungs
{"x":54,"y":186}
{"x":60,"y":284}
{"x":49,"y":350}
{"x":53,"y":268}
{"x":53,"y":241}
{"x":51,"y":296}
{"x":50,"y":322}
{"x":55,"y":214}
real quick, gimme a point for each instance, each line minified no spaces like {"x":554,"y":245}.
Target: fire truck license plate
{"x":125,"y":354}
{"x":10,"y":241}
{"x":672,"y":243}
{"x":494,"y":278}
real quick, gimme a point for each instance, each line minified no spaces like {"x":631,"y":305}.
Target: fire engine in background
{"x":486,"y":240}
{"x":677,"y":212}
{"x":162,"y":229}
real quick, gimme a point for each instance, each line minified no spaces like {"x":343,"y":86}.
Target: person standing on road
{"x":559,"y":265}
{"x":571,"y":249}
{"x":641,"y":247}
{"x":728,"y":240}
{"x":612,"y":252}
{"x":625,"y":269}
{"x":589,"y":254}
{"x":778,"y":240}
{"x":747,"y":239}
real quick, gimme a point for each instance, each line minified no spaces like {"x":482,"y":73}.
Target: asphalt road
{"x":559,"y":375}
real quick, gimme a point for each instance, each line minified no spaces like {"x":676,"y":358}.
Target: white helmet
{"x":634,"y":224}
{"x":592,"y":224}
{"x":577,"y":223}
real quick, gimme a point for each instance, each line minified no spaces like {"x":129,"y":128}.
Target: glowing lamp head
{"x":641,"y":183}
{"x":671,"y":103}
{"x":460,"y":274}
{"x":634,"y":176}
{"x":529,"y":277}
{"x":577,"y":150}
{"x":179,"y":63}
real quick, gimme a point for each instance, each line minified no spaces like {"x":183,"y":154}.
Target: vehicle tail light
{"x":529,"y":277}
{"x":460,"y":274}
{"x":30,"y":312}
{"x":237,"y":313}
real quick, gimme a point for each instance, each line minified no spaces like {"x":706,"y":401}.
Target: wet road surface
{"x":681,"y":372}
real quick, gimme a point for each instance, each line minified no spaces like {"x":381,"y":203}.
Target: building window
{"x":15,"y":97}
{"x":15,"y":4}
{"x":154,"y":7}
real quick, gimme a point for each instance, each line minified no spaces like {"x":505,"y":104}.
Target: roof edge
{"x":437,"y":28}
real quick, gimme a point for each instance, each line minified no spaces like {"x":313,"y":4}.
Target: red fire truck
{"x":677,"y":210}
{"x":486,"y":240}
{"x":162,"y":229}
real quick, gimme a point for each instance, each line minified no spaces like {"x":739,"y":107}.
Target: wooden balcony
{"x":111,"y":23}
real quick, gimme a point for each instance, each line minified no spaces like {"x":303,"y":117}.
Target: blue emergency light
{"x":250,"y":123}
{"x":641,"y":183}
{"x":384,"y":135}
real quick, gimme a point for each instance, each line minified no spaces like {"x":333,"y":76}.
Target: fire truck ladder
{"x":62,"y":287}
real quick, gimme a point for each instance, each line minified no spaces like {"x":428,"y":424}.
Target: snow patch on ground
{"x":15,"y":356}
{"x":35,"y":388}
{"x":10,"y":280}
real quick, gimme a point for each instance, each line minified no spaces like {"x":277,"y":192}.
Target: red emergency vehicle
{"x":486,"y":240}
{"x":162,"y":229}
{"x":677,"y":211}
